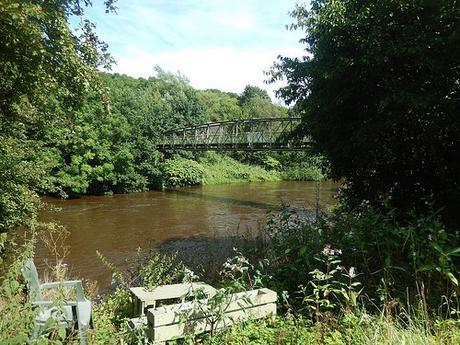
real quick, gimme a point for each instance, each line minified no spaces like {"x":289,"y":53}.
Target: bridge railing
{"x":249,"y":134}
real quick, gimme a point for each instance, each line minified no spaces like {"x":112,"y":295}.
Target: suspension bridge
{"x":264,"y":134}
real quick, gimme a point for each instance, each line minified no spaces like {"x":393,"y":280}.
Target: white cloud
{"x":226,"y":68}
{"x":218,"y":44}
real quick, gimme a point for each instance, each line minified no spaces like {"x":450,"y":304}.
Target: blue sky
{"x":224,"y":44}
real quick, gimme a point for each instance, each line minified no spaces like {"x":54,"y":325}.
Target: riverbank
{"x":214,"y":169}
{"x":326,"y":271}
{"x":327,"y":294}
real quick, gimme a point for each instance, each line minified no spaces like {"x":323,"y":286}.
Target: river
{"x":117,"y":225}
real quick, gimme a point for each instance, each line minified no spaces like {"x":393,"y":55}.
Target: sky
{"x":222,"y":44}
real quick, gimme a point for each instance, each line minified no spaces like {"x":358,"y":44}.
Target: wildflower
{"x":352,"y":271}
{"x":189,"y":273}
{"x":329,"y":251}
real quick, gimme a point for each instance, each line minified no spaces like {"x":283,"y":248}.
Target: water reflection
{"x":117,"y":225}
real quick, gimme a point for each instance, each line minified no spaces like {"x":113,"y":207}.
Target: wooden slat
{"x":170,"y":291}
{"x":171,"y":314}
{"x":167,"y":332}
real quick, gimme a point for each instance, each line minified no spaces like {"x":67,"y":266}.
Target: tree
{"x":256,"y":103}
{"x":258,"y":107}
{"x":220,"y":106}
{"x":251,"y":92}
{"x":379,"y":93}
{"x":44,"y":66}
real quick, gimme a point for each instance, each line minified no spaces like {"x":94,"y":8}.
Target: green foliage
{"x":302,"y":166}
{"x":18,"y":321}
{"x":112,"y":149}
{"x":40,"y":56}
{"x":182,"y":172}
{"x":259,"y":108}
{"x":326,"y":288}
{"x":220,"y":106}
{"x":251,"y":92}
{"x":237,"y":275}
{"x":159,"y":269}
{"x":112,"y":313}
{"x":293,"y":166}
{"x":222,"y":169}
{"x":418,"y":259}
{"x":379,"y":93}
{"x":360,"y":329}
{"x":93,"y":153}
{"x":255,"y":103}
{"x":271,"y":163}
{"x":302,"y":173}
{"x":20,"y":174}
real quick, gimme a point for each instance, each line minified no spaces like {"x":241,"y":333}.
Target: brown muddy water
{"x":117,"y":225}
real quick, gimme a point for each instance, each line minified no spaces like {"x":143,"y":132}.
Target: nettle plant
{"x":238,"y":275}
{"x":331,"y":287}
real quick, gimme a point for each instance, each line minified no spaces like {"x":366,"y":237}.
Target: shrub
{"x":182,"y":172}
{"x":302,"y":173}
{"x":223,"y":169}
{"x":417,"y":259}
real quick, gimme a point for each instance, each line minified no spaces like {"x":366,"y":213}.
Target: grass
{"x":349,"y":329}
{"x":222,"y":169}
{"x":302,"y":173}
{"x":213,"y":168}
{"x":325,"y":303}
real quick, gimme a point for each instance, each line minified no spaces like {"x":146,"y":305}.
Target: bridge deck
{"x":249,"y":134}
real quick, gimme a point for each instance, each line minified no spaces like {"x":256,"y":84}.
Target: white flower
{"x":329,"y":251}
{"x":189,"y":273}
{"x":352,"y":271}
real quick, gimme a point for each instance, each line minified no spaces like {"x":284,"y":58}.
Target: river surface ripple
{"x":117,"y":225}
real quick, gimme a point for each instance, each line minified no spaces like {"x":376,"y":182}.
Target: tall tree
{"x":251,"y":91}
{"x":44,"y":66}
{"x":379,"y":90}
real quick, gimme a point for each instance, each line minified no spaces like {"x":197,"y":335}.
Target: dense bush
{"x":181,"y":172}
{"x":223,"y":169}
{"x":417,"y":260}
{"x":379,"y":93}
{"x":302,"y":173}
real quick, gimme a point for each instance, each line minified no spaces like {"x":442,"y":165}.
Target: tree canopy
{"x":115,"y":152}
{"x":379,"y":93}
{"x":46,"y":70}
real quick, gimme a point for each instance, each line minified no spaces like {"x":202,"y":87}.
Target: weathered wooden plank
{"x":167,"y":332}
{"x":144,"y":298}
{"x":171,"y":314}
{"x":170,"y":291}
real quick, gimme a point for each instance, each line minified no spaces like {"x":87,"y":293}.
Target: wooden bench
{"x":144,"y":298}
{"x":164,"y":323}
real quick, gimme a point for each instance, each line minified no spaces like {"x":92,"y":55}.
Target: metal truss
{"x":265,"y":134}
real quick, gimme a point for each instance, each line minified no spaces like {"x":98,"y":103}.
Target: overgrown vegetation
{"x":212,"y":168}
{"x":331,"y":289}
{"x":379,"y":93}
{"x":112,"y":149}
{"x":221,"y":169}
